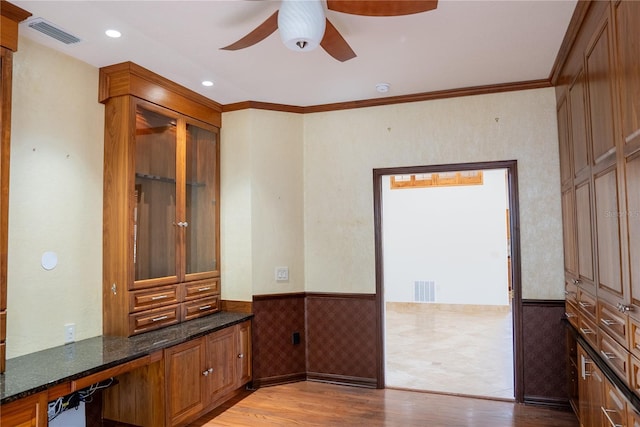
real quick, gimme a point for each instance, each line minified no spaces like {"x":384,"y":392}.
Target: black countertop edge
{"x":605,"y":368}
{"x":39,"y":371}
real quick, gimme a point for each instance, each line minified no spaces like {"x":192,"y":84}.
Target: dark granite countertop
{"x":35,"y":372}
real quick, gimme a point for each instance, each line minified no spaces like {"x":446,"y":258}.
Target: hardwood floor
{"x":318,"y":404}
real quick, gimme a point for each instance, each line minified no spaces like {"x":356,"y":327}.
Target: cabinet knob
{"x":240,"y":356}
{"x":205,"y":373}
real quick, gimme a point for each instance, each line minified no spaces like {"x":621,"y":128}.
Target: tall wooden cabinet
{"x":161,"y":245}
{"x":598,"y":106}
{"x":10,"y":16}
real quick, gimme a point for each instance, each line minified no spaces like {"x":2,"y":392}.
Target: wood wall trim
{"x":339,"y":295}
{"x":10,"y":16}
{"x":341,"y":380}
{"x":246,"y":105}
{"x":543,"y":302}
{"x":266,"y":297}
{"x":128,"y":78}
{"x":241,"y":306}
{"x":570,"y":37}
{"x":401,"y":99}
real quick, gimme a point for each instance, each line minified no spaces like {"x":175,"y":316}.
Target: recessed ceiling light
{"x":207,"y":83}
{"x":114,"y":34}
{"x":383,"y":87}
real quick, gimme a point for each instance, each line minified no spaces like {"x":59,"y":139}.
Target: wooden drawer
{"x":152,"y":298}
{"x":634,"y":375}
{"x":201,"y":307}
{"x":587,"y":304}
{"x":616,"y":356}
{"x":588,"y":330}
{"x":634,"y":336}
{"x":153,"y":319}
{"x":571,"y":292}
{"x":201,"y":289}
{"x":571,"y":313}
{"x":634,"y":417}
{"x":613,"y":322}
{"x":614,"y":406}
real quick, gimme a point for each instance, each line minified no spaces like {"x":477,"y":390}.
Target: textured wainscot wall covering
{"x":338,"y":338}
{"x":545,"y":358}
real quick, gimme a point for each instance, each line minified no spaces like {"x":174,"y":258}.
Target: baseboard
{"x":560,"y":404}
{"x":342,"y":380}
{"x":277,"y":380}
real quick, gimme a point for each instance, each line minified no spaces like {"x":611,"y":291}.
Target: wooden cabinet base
{"x":28,"y":412}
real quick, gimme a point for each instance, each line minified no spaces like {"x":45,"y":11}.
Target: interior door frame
{"x":511,"y":167}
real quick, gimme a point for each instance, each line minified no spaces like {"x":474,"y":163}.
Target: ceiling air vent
{"x":51,"y":30}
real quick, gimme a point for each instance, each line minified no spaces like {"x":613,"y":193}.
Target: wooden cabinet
{"x":590,"y":389}
{"x":10,"y":16}
{"x":203,"y":373}
{"x":598,"y":98}
{"x":161,"y":243}
{"x":27,"y":412}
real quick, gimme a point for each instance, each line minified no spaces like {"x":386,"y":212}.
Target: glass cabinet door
{"x":154,"y":240}
{"x":201,"y":210}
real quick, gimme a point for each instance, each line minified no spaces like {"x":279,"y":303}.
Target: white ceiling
{"x":460,"y":44}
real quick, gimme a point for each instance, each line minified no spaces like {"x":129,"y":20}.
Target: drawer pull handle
{"x":606,"y":414}
{"x":157,"y":319}
{"x":204,"y":289}
{"x":608,"y":322}
{"x":584,"y":304}
{"x":569,"y":315}
{"x":205,"y":307}
{"x":207,"y":372}
{"x":608,"y":355}
{"x":586,"y":331}
{"x":157,"y":297}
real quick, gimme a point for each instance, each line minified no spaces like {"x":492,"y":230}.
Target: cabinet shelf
{"x":169,"y":180}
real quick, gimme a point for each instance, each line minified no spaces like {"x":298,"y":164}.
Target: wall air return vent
{"x":51,"y":30}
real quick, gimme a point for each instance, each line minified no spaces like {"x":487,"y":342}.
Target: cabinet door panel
{"x":579,"y":139}
{"x":201,"y":244}
{"x":566,"y":169}
{"x":584,"y":238}
{"x":222,"y":358}
{"x":632,"y":216}
{"x":244,"y":353}
{"x":600,"y":79}
{"x":569,"y":232}
{"x":627,"y":14}
{"x":608,"y":233}
{"x":184,"y":367}
{"x":155,"y":187}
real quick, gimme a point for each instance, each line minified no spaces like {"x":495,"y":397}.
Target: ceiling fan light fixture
{"x":301,"y":24}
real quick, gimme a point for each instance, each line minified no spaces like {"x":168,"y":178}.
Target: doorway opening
{"x":448,"y":279}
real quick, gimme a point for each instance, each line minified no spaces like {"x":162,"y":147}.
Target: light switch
{"x":282,"y":274}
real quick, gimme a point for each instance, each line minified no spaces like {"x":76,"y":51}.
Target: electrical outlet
{"x":282,"y":274}
{"x":69,"y":332}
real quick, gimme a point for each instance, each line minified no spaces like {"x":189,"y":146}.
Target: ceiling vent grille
{"x":51,"y":30}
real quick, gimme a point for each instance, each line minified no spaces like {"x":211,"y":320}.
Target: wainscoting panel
{"x":342,"y":345}
{"x":276,"y":359}
{"x":545,"y":359}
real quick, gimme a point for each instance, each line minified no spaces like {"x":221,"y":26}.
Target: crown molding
{"x":401,"y":99}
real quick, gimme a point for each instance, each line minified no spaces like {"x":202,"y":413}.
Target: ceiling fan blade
{"x":381,"y":7}
{"x":260,"y":33}
{"x":335,"y":45}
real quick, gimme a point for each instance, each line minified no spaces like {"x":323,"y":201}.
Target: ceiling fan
{"x":303,"y":24}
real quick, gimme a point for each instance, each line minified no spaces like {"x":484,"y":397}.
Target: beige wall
{"x":55,"y":201}
{"x":296,"y":191}
{"x":262,"y":220}
{"x":343,"y":147}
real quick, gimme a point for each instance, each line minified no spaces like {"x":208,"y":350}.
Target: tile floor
{"x":444,"y":348}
